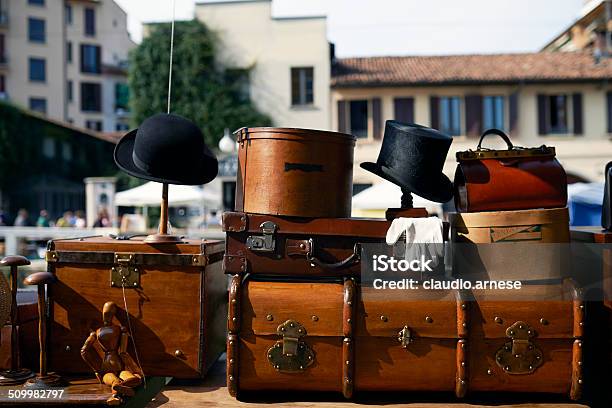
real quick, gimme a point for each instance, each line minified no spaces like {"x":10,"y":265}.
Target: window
{"x":91,"y":97}
{"x":68,"y":14}
{"x":358,"y":111}
{"x":120,"y":127}
{"x":493,"y":112}
{"x":90,"y":59}
{"x":66,"y":151}
{"x":122,"y":96}
{"x":36,"y":30}
{"x":302,"y":86}
{"x":90,"y":22}
{"x":48,"y":147}
{"x":2,"y":84}
{"x":557,"y":115}
{"x":38,"y":69}
{"x":36,"y":2}
{"x":2,"y":49}
{"x":69,"y":91}
{"x":69,"y":52}
{"x":38,"y":105}
{"x":450,"y":115}
{"x":94,"y":125}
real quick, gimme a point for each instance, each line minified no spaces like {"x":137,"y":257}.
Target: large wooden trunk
{"x":279,"y":339}
{"x":176,"y":296}
{"x":288,"y":335}
{"x":265,"y":244}
{"x":284,"y":171}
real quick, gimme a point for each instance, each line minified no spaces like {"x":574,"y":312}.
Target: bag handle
{"x":498,"y":133}
{"x":352,"y":259}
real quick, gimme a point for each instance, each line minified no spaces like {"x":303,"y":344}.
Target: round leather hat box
{"x":294,"y":172}
{"x":525,"y":245}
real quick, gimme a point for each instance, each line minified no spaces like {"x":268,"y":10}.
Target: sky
{"x":407,"y":27}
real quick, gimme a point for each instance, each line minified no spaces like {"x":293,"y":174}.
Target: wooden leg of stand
{"x":14,"y":321}
{"x":163,"y":214}
{"x":42,"y":330}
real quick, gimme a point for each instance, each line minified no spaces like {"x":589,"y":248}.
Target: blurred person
{"x":103,"y":220}
{"x":64,"y":221}
{"x":43,"y":219}
{"x":79,"y":219}
{"x":22,"y":218}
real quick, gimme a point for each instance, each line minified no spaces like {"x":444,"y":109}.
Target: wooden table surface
{"x":212,"y":392}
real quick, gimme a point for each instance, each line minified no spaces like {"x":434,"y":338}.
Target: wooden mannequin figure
{"x":117,"y":368}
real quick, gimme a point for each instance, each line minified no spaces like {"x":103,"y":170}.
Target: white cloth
{"x":423,"y":237}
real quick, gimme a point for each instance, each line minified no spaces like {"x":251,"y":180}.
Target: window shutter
{"x":542,"y":114}
{"x":513,"y":119}
{"x":404,"y":110}
{"x":434,"y":112}
{"x":376,"y":118}
{"x":473,"y":115}
{"x":98,"y":68}
{"x":609,"y":110}
{"x":577,"y":113}
{"x":342,"y":108}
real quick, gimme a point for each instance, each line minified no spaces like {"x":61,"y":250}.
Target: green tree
{"x":201,"y":90}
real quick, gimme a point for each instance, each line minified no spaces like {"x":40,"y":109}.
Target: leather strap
{"x":498,"y":133}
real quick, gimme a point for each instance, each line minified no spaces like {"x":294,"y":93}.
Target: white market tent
{"x":149,"y":194}
{"x":374,"y":201}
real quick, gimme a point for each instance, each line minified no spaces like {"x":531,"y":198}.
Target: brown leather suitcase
{"x":272,"y":245}
{"x":351,"y":340}
{"x":176,"y":296}
{"x":286,"y":171}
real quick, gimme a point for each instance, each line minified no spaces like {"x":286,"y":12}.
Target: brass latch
{"x":265,"y":242}
{"x":291,"y":354}
{"x":405,"y":337}
{"x":519,"y":356}
{"x":124,"y":273}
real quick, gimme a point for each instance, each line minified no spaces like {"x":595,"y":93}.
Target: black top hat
{"x":167,"y":149}
{"x":412,"y":156}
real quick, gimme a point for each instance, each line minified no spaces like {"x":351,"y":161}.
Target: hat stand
{"x":15,"y":374}
{"x":162,"y":237}
{"x":406,"y":210}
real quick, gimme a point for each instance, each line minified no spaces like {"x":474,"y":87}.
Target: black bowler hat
{"x":167,"y":149}
{"x":412,"y":156}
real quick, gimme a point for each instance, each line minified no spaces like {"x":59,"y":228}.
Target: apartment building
{"x":288,"y":58}
{"x":66,"y":59}
{"x":591,"y":30}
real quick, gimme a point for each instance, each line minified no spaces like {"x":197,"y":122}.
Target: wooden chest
{"x":176,"y":296}
{"x":335,"y":336}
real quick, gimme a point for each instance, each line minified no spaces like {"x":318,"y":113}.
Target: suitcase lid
{"x":316,"y":306}
{"x":107,"y":250}
{"x":295,"y":134}
{"x":425,"y":313}
{"x":350,"y":227}
{"x":509,"y":218}
{"x":552,"y":311}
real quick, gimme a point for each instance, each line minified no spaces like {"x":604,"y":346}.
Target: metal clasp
{"x":124,"y":273}
{"x":520,"y":355}
{"x":405,"y":337}
{"x":290,"y":354}
{"x":265,"y":242}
